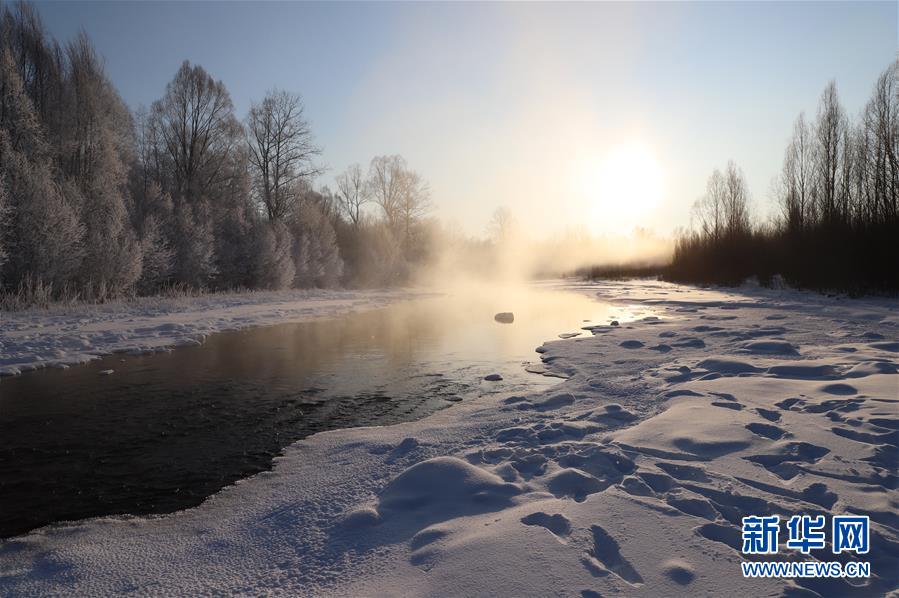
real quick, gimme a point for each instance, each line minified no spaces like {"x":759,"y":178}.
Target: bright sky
{"x":548,"y":108}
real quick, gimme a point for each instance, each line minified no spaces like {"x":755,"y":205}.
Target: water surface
{"x":165,"y":431}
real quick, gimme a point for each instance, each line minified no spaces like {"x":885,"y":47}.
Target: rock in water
{"x":504,"y":317}
{"x":105,"y":372}
{"x":493,"y":377}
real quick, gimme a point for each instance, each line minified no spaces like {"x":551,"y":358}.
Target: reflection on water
{"x":165,"y":431}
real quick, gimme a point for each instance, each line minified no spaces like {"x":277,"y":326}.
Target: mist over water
{"x":167,"y":430}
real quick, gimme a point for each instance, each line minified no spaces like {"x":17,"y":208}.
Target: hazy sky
{"x":519,"y":104}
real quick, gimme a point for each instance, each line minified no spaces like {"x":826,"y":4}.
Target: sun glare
{"x":622,"y":186}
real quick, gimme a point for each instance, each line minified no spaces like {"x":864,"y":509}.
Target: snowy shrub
{"x":316,"y":254}
{"x":194,"y":244}
{"x":157,"y":257}
{"x":273,"y":254}
{"x":4,"y":213}
{"x":47,"y":236}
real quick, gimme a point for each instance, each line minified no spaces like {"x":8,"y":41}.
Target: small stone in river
{"x":504,"y":317}
{"x":493,"y":377}
{"x":105,"y":372}
{"x":614,"y":323}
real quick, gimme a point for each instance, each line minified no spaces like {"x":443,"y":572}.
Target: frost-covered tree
{"x":44,"y":234}
{"x":104,"y":202}
{"x":194,"y":244}
{"x":195,"y":146}
{"x":274,"y":266}
{"x":94,"y":153}
{"x":4,"y":213}
{"x":386,"y":176}
{"x":282,"y":152}
{"x":353,"y":193}
{"x":198,"y":132}
{"x":158,"y":257}
{"x":316,"y":254}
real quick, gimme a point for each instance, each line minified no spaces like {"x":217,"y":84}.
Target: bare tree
{"x":385,"y":183}
{"x":878,"y":145}
{"x":402,"y":195}
{"x":197,"y":129}
{"x":414,"y":203}
{"x":829,"y":132}
{"x":353,"y":193}
{"x":796,"y":181}
{"x":282,"y":151}
{"x":736,"y":205}
{"x":502,"y":225}
{"x":709,"y":209}
{"x":723,"y":211}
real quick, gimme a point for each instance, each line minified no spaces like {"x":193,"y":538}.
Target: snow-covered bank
{"x":628,"y":478}
{"x":65,"y":336}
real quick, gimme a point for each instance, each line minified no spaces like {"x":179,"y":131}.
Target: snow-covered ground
{"x":628,"y":478}
{"x":61,"y":337}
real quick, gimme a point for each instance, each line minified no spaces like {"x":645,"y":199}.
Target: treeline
{"x":99,"y":202}
{"x":837,"y":224}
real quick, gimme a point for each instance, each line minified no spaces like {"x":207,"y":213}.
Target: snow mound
{"x":442,"y":488}
{"x":769,"y":348}
{"x":573,"y":483}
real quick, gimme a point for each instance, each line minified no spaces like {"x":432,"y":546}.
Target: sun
{"x":622,"y":186}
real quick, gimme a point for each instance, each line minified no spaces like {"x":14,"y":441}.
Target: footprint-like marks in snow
{"x":885,"y":422}
{"x":631,"y":344}
{"x":706,"y":328}
{"x":803,"y":372}
{"x":690,"y":342}
{"x":604,"y":464}
{"x":605,"y":557}
{"x":698,"y":507}
{"x":427,"y":536}
{"x":717,"y":318}
{"x":659,"y":482}
{"x":770,"y":415}
{"x":612,"y":415}
{"x":574,"y":483}
{"x":636,"y":486}
{"x":887,"y":438}
{"x":548,"y":404}
{"x":892,"y":347}
{"x":781,"y":462}
{"x":557,"y":524}
{"x":767,"y":431}
{"x":402,"y":449}
{"x":787,"y":404}
{"x":728,"y":367}
{"x":817,"y":493}
{"x":684,"y":472}
{"x":839,"y":388}
{"x":769,"y":347}
{"x":872,"y":368}
{"x":724,"y":534}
